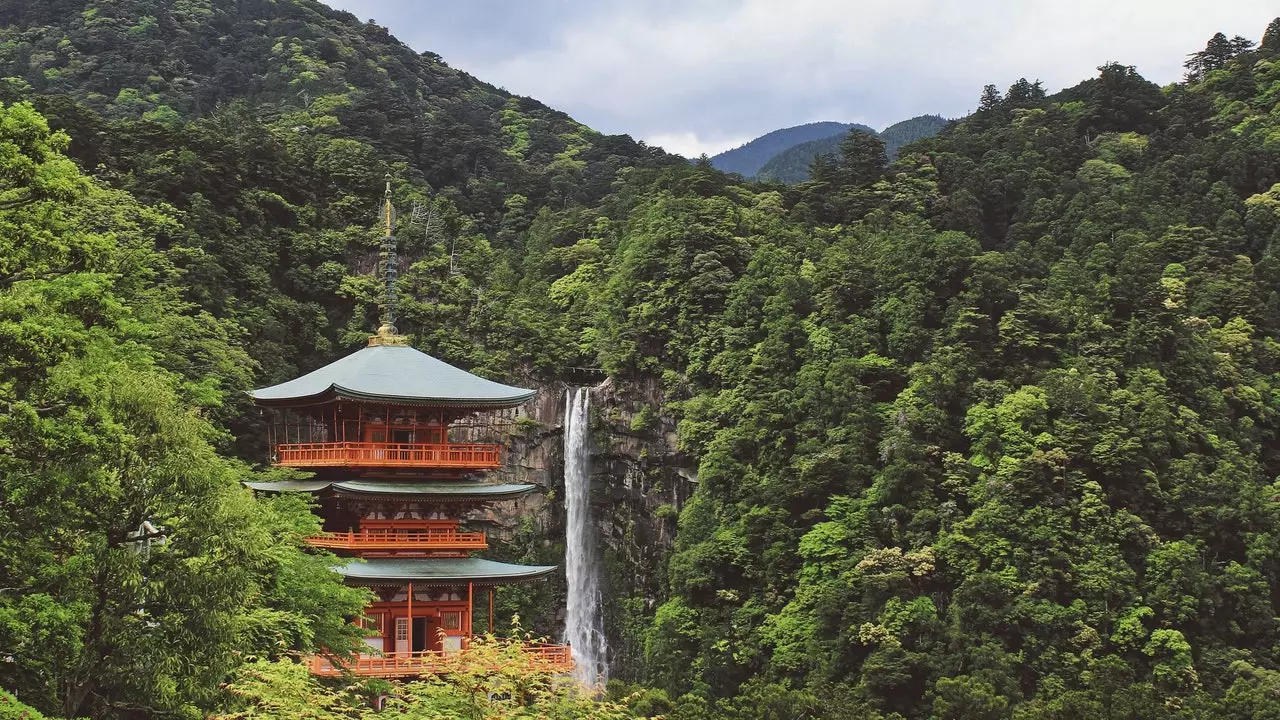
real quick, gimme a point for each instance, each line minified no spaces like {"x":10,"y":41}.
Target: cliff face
{"x":640,"y":480}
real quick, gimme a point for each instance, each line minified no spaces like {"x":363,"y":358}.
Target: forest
{"x":986,"y":432}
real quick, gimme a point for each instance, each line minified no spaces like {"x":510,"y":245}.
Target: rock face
{"x":640,"y":481}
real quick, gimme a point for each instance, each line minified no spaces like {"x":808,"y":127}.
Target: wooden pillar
{"x":471,"y":606}
{"x":490,"y":609}
{"x":410,"y":611}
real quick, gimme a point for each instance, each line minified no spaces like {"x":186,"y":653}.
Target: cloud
{"x":690,"y":144}
{"x":702,"y":75}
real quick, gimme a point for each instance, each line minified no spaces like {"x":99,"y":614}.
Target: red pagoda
{"x":391,"y":436}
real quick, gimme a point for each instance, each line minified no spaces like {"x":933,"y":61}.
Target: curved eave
{"x":437,"y":493}
{"x":431,"y":571}
{"x":337,"y":392}
{"x":289,"y":486}
{"x":441,"y":492}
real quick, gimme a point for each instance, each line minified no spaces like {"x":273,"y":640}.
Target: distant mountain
{"x":908,"y":131}
{"x":791,"y":166}
{"x":748,"y":159}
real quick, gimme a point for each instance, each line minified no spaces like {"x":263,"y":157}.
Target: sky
{"x":697,"y":76}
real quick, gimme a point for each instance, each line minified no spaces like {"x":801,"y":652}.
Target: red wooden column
{"x":471,"y":606}
{"x":490,"y":609}
{"x":410,"y":611}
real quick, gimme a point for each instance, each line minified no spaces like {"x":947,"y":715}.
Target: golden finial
{"x":387,"y":210}
{"x":387,"y":333}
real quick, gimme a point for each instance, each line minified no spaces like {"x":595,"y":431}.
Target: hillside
{"x":792,"y":165}
{"x":987,"y":432}
{"x":747,"y":159}
{"x":908,"y":131}
{"x":266,"y":124}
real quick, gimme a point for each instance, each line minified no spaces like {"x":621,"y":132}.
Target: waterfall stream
{"x":584,"y":625}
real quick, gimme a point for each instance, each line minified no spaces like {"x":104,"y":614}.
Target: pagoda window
{"x":374,"y":624}
{"x":451,"y":620}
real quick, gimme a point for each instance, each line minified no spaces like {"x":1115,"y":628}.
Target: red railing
{"x":550,"y":658}
{"x":392,"y":540}
{"x":369,"y":454}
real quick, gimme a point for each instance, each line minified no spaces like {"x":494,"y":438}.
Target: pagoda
{"x":394,"y":439}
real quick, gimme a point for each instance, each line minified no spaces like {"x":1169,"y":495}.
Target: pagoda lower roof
{"x":439,"y":571}
{"x":444,"y":491}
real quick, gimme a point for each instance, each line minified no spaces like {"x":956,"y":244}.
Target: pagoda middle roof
{"x":439,"y":571}
{"x":455,"y":491}
{"x":394,"y":374}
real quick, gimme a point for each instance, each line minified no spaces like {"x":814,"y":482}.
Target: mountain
{"x":266,"y":123}
{"x":746,"y":160}
{"x":989,"y":433}
{"x":908,"y":131}
{"x":792,"y":165}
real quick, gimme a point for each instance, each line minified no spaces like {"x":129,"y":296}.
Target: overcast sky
{"x":705,"y":75}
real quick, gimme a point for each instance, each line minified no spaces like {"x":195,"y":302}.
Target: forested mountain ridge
{"x":747,"y":159}
{"x":792,"y":165}
{"x":989,"y":432}
{"x":264,"y":124}
{"x":993,"y":434}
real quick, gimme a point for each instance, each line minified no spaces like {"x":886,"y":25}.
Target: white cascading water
{"x":584,"y":626}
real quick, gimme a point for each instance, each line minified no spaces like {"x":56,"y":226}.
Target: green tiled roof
{"x":439,"y":571}
{"x":459,"y":491}
{"x":393,"y":374}
{"x":456,"y":489}
{"x":290,"y":485}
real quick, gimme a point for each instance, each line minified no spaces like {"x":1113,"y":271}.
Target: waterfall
{"x":584,"y":626}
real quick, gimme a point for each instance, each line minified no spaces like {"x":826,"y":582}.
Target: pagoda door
{"x":433,"y":634}
{"x":402,"y":635}
{"x":422,"y":638}
{"x":402,"y":439}
{"x":379,"y":439}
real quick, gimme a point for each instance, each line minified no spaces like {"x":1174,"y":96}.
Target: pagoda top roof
{"x":394,"y":374}
{"x":439,"y":571}
{"x":443,"y":491}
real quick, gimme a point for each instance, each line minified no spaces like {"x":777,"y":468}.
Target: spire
{"x":387,"y":333}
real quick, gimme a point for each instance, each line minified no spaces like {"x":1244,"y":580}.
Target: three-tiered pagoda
{"x":390,"y":434}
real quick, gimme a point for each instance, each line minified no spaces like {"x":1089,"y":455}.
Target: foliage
{"x":492,"y":680}
{"x":134,"y":566}
{"x":12,"y":709}
{"x":997,"y":444}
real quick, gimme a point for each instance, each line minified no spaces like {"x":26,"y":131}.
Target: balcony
{"x":396,"y":455}
{"x":401,"y":541}
{"x":547,"y":658}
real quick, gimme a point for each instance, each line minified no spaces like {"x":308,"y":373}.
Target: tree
{"x":964,"y":698}
{"x":990,"y":99}
{"x":1216,"y":54}
{"x":1024,"y":93}
{"x":135,"y":566}
{"x":494,"y":679}
{"x":862,"y":159}
{"x":1271,"y":38}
